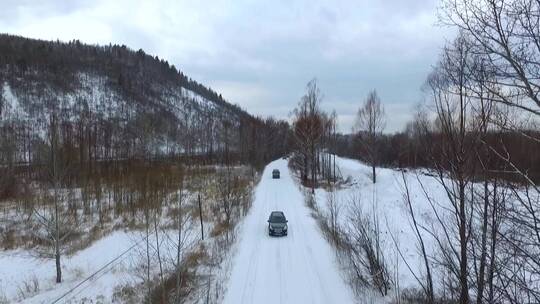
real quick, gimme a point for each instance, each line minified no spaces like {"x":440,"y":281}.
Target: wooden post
{"x":200,"y":216}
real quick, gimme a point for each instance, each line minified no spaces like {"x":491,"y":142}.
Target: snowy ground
{"x":20,"y":268}
{"x":385,"y":199}
{"x":298,"y":268}
{"x":116,"y":260}
{"x":112,"y":267}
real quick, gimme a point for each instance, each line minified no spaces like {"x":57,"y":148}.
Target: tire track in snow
{"x":306,"y":266}
{"x":311,"y":263}
{"x":278,"y":266}
{"x":251,"y":273}
{"x":298,"y":268}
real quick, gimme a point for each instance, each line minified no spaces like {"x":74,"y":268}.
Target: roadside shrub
{"x":28,"y":288}
{"x":219,"y":229}
{"x":3,"y":297}
{"x":125,"y":294}
{"x":8,"y":239}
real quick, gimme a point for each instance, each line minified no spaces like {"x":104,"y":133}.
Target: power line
{"x":97,"y":271}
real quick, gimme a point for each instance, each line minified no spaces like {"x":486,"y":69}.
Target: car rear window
{"x":277,"y":218}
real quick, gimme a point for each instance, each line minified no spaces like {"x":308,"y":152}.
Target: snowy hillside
{"x":175,"y":111}
{"x":119,"y":102}
{"x":98,"y":147}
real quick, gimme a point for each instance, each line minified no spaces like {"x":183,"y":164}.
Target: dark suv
{"x":277,"y":223}
{"x":275,"y":173}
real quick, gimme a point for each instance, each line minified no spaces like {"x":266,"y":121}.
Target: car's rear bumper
{"x":276,"y":233}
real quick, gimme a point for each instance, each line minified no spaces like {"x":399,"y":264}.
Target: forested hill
{"x":111,"y":102}
{"x":132,"y":73}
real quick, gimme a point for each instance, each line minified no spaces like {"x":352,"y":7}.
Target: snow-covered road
{"x":298,"y":268}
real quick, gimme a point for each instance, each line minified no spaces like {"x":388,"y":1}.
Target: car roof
{"x":277,"y":212}
{"x":275,"y":170}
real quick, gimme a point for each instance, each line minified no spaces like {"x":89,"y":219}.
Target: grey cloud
{"x":13,"y":11}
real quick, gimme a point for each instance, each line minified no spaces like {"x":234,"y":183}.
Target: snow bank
{"x":385,"y":200}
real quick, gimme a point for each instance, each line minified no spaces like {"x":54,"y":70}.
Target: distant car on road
{"x":275,"y":173}
{"x":277,"y":223}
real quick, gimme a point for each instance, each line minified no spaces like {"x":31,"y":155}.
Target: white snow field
{"x":298,"y":268}
{"x":19,"y":269}
{"x":385,"y":199}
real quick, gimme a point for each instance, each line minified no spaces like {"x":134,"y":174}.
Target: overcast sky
{"x":261,"y":54}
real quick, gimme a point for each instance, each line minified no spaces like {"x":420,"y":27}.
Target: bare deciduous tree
{"x":369,"y":125}
{"x":364,"y":248}
{"x":505,"y":33}
{"x":427,"y":285}
{"x":334,"y":211}
{"x":56,"y":226}
{"x":448,"y":85}
{"x":308,"y":131}
{"x":504,"y":36}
